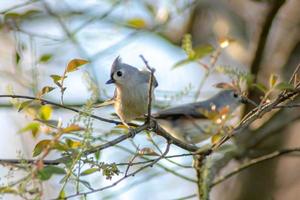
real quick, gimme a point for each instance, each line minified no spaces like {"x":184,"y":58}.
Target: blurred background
{"x":39,"y":37}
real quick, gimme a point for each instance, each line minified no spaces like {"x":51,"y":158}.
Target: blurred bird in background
{"x":194,"y":122}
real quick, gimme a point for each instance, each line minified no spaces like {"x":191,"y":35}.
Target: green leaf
{"x":46,"y":173}
{"x":137,"y":23}
{"x":187,"y":45}
{"x":45,"y":90}
{"x":284,"y":86}
{"x":74,"y":64}
{"x":17,"y":57}
{"x":261,"y":87}
{"x":150,"y":7}
{"x":12,"y":16}
{"x":182,"y":63}
{"x":34,"y":127}
{"x":62,"y":194}
{"x":39,"y":147}
{"x":89,"y":171}
{"x":60,"y":146}
{"x":202,"y":51}
{"x":24,"y":104}
{"x":45,"y":112}
{"x":50,"y":123}
{"x":97,"y":155}
{"x":272,"y":80}
{"x":147,"y":152}
{"x":55,"y":78}
{"x":30,"y":13}
{"x":45,"y":58}
{"x":7,"y":190}
{"x":85,"y":183}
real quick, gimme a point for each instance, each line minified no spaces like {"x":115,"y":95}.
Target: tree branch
{"x":254,"y":162}
{"x":152,"y":70}
{"x":260,"y":48}
{"x":44,"y":101}
{"x":124,"y":177}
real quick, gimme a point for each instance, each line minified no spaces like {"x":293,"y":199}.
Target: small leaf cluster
{"x":193,"y":53}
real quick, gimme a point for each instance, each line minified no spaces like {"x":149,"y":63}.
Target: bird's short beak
{"x":110,"y":81}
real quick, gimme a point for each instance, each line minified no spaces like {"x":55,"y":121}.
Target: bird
{"x":193,"y":122}
{"x":132,"y":90}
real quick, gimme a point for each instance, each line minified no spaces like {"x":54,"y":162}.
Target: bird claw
{"x":132,"y":132}
{"x":152,"y":125}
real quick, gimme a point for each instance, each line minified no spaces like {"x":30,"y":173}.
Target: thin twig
{"x":130,"y":163}
{"x":294,"y":75}
{"x":191,"y":196}
{"x":124,"y":177}
{"x":261,"y":44}
{"x":158,"y":129}
{"x":18,"y":6}
{"x":254,"y":162}
{"x":44,"y":101}
{"x":209,"y":69}
{"x":152,"y":70}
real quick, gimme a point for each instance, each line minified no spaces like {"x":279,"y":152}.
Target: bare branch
{"x":294,"y":75}
{"x":124,"y":177}
{"x":254,"y":162}
{"x":152,"y":70}
{"x":262,"y":40}
{"x":19,"y":6}
{"x":44,"y":101}
{"x":156,"y":128}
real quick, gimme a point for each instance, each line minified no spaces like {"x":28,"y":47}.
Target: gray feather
{"x":195,"y":110}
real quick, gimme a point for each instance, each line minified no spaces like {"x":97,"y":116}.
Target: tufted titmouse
{"x":192,"y":123}
{"x":131,"y":93}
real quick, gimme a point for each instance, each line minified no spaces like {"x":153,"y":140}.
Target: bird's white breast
{"x":132,"y":102}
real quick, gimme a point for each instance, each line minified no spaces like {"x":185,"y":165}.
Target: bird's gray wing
{"x":192,"y":110}
{"x":145,"y":77}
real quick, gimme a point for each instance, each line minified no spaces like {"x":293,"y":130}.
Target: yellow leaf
{"x":45,"y":90}
{"x":45,"y":112}
{"x":73,"y":144}
{"x":24,"y":104}
{"x":148,"y":152}
{"x":105,"y":103}
{"x":74,"y":64}
{"x":72,"y":128}
{"x":122,"y":126}
{"x":34,"y":127}
{"x":223,"y":85}
{"x":39,"y":147}
{"x":136,"y":23}
{"x":187,"y":46}
{"x":216,"y":138}
{"x":272,"y":80}
{"x":55,"y":78}
{"x":7,"y":189}
{"x":202,"y":51}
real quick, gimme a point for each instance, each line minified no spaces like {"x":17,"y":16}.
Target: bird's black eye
{"x":235,"y":95}
{"x":119,"y":73}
